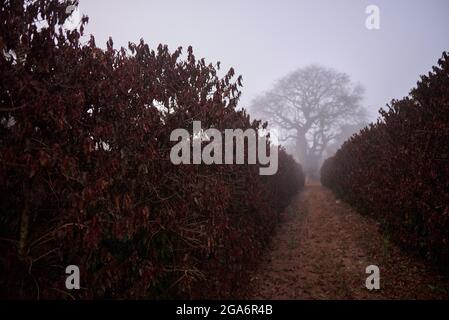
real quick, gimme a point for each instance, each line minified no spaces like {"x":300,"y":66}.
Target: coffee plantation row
{"x":397,"y":170}
{"x":86,"y":177}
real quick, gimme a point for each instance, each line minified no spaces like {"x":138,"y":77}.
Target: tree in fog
{"x":309,"y":107}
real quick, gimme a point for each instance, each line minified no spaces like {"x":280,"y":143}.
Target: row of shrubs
{"x":397,"y":170}
{"x":85,"y":174}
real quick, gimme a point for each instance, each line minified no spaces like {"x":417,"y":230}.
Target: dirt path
{"x":321,"y":252}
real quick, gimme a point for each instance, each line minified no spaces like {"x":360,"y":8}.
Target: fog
{"x":135,"y":175}
{"x":264,"y":40}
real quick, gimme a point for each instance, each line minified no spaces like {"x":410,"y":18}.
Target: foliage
{"x":86,"y":177}
{"x":397,"y":169}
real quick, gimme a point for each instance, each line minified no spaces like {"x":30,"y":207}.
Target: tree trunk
{"x":301,"y":148}
{"x":24,"y":225}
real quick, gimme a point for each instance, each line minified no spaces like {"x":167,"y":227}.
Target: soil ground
{"x":322,"y":249}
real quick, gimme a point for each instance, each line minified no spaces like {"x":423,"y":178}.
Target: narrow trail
{"x":321,"y":252}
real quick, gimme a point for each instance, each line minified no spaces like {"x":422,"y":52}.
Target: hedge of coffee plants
{"x":85,"y":173}
{"x":397,"y":170}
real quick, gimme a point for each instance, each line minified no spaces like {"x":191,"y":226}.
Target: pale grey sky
{"x":264,"y":40}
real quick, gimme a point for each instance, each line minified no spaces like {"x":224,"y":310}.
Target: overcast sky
{"x":264,"y":40}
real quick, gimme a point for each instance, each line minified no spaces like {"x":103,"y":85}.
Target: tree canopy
{"x":309,"y":107}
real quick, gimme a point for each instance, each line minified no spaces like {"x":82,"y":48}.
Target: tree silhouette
{"x":308,"y":107}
